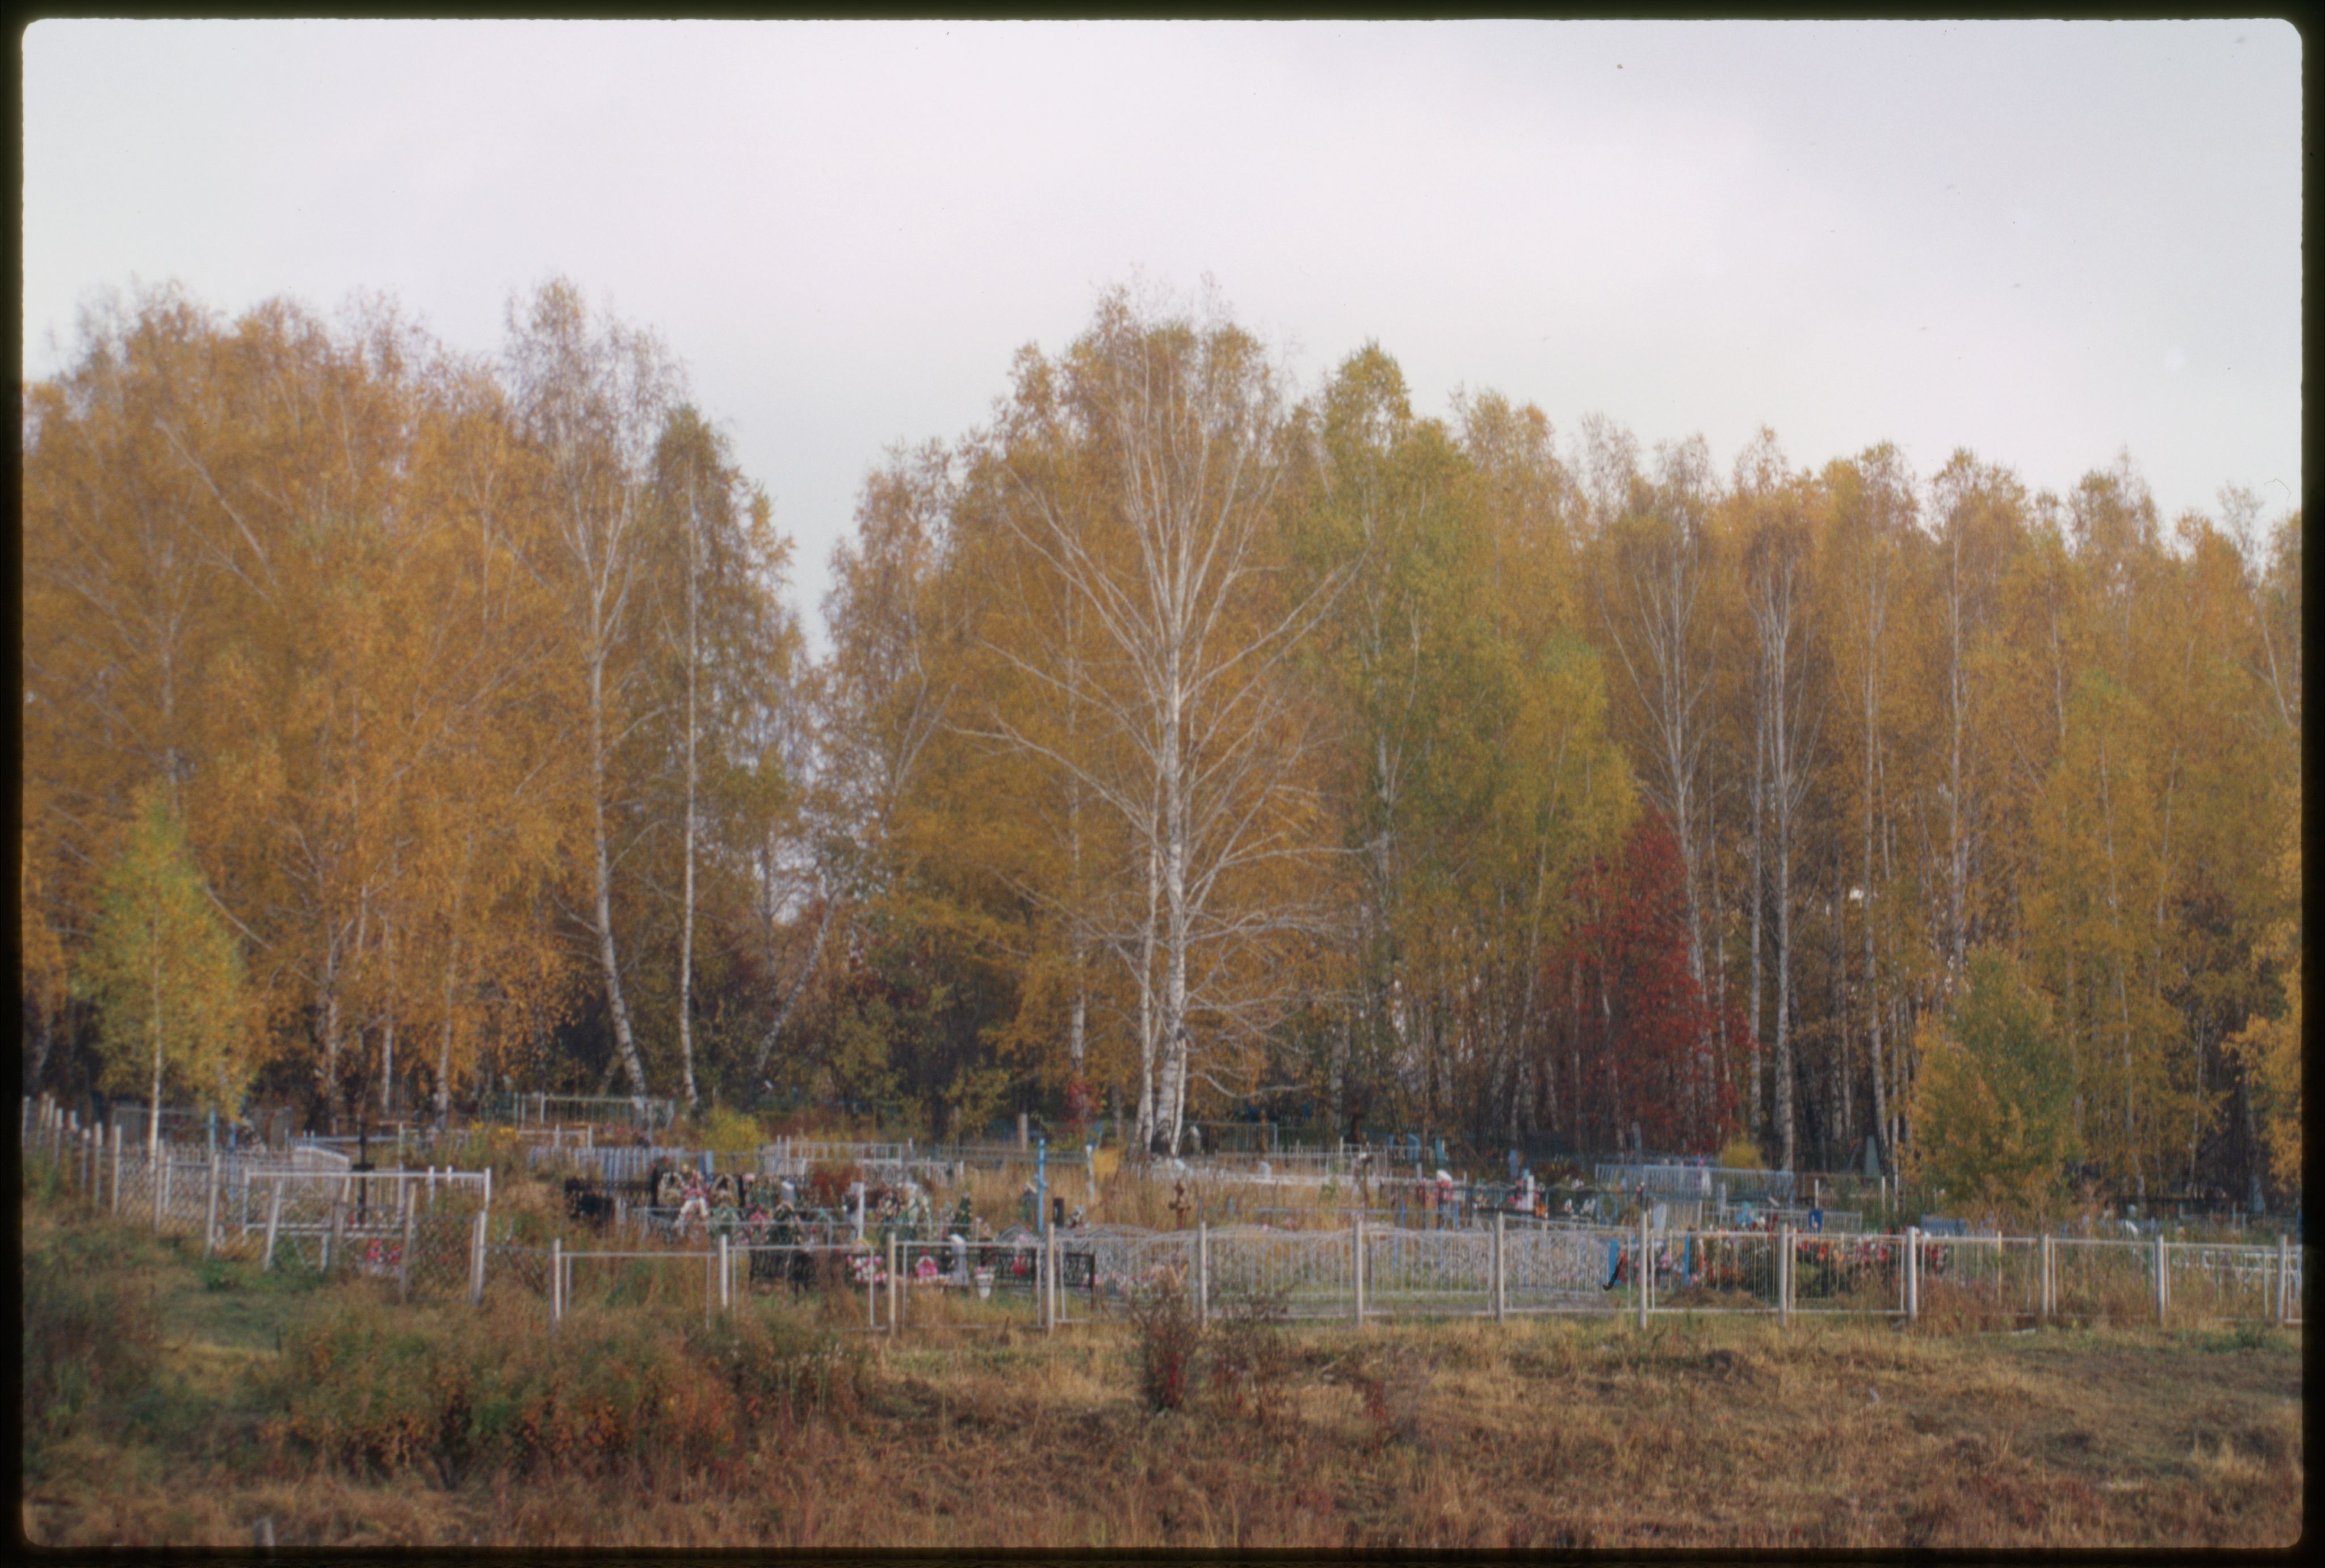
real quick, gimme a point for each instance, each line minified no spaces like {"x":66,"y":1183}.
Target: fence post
{"x":1501,"y":1269}
{"x":404,"y":1258}
{"x":117,"y":1141}
{"x":2284,"y":1277}
{"x":726,"y":1271}
{"x":1913,"y":1272}
{"x":477,"y":1260}
{"x":1642,"y":1269}
{"x":1202,"y":1272}
{"x":1055,"y":1287}
{"x":2163,"y":1281}
{"x":209,"y":1214}
{"x":339,"y":1226}
{"x":556,"y":1280}
{"x":2049,"y":1284}
{"x":161,"y":1169}
{"x":895,"y":1254}
{"x":1783,"y":1276}
{"x":1357,"y":1242}
{"x":273,"y":1221}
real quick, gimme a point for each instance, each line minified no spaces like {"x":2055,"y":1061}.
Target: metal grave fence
{"x":426,"y":1231}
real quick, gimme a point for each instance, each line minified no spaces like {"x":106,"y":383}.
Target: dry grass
{"x":1539,"y":1434}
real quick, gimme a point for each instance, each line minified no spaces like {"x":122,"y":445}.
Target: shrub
{"x":726,"y":1130}
{"x":1740,"y":1154}
{"x":1168,"y":1341}
{"x":827,"y":1184}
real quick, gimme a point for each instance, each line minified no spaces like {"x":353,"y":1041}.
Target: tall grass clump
{"x":1241,"y":1355}
{"x":639,"y":1394}
{"x":92,"y":1344}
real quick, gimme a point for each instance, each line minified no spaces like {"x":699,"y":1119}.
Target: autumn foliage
{"x":1187,"y":745}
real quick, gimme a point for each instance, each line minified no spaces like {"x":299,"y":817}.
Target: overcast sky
{"x":2044,"y":242}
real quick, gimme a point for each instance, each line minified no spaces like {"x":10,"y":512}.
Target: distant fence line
{"x":303,"y":1208}
{"x":1365,"y":1274}
{"x":426,"y":1231}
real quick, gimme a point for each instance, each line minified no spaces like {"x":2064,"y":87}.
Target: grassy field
{"x":170,"y":1400}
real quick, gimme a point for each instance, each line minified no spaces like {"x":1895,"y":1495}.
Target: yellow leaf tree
{"x":1993,"y":1111}
{"x":166,"y":974}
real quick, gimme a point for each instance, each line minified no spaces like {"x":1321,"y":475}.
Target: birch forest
{"x":1186,"y":744}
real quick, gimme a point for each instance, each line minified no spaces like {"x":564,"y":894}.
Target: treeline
{"x":1185,"y":746}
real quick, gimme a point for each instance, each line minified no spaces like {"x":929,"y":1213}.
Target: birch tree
{"x":590,"y":395}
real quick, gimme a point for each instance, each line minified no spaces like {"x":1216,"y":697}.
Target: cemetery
{"x":900,"y":1232}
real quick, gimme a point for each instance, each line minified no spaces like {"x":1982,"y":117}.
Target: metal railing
{"x":1711,"y":1183}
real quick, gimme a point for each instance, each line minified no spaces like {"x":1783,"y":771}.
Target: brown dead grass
{"x":1729,"y":1433}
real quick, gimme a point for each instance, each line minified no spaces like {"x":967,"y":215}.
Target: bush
{"x":1740,"y":1154}
{"x":827,"y":1184}
{"x":1169,"y":1340}
{"x":726,"y":1131}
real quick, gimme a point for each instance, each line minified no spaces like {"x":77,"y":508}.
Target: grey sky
{"x":2045,"y":242}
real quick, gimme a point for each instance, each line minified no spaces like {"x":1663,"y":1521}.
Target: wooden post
{"x":1359,"y":1258}
{"x":477,"y":1260}
{"x":556,"y":1280}
{"x":339,"y":1225}
{"x":1501,"y":1269}
{"x":2284,"y":1277}
{"x":896,"y":1251}
{"x":2050,"y":1277}
{"x":209,"y":1214}
{"x":2163,"y":1281}
{"x":1202,"y":1272}
{"x":274,"y":1222}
